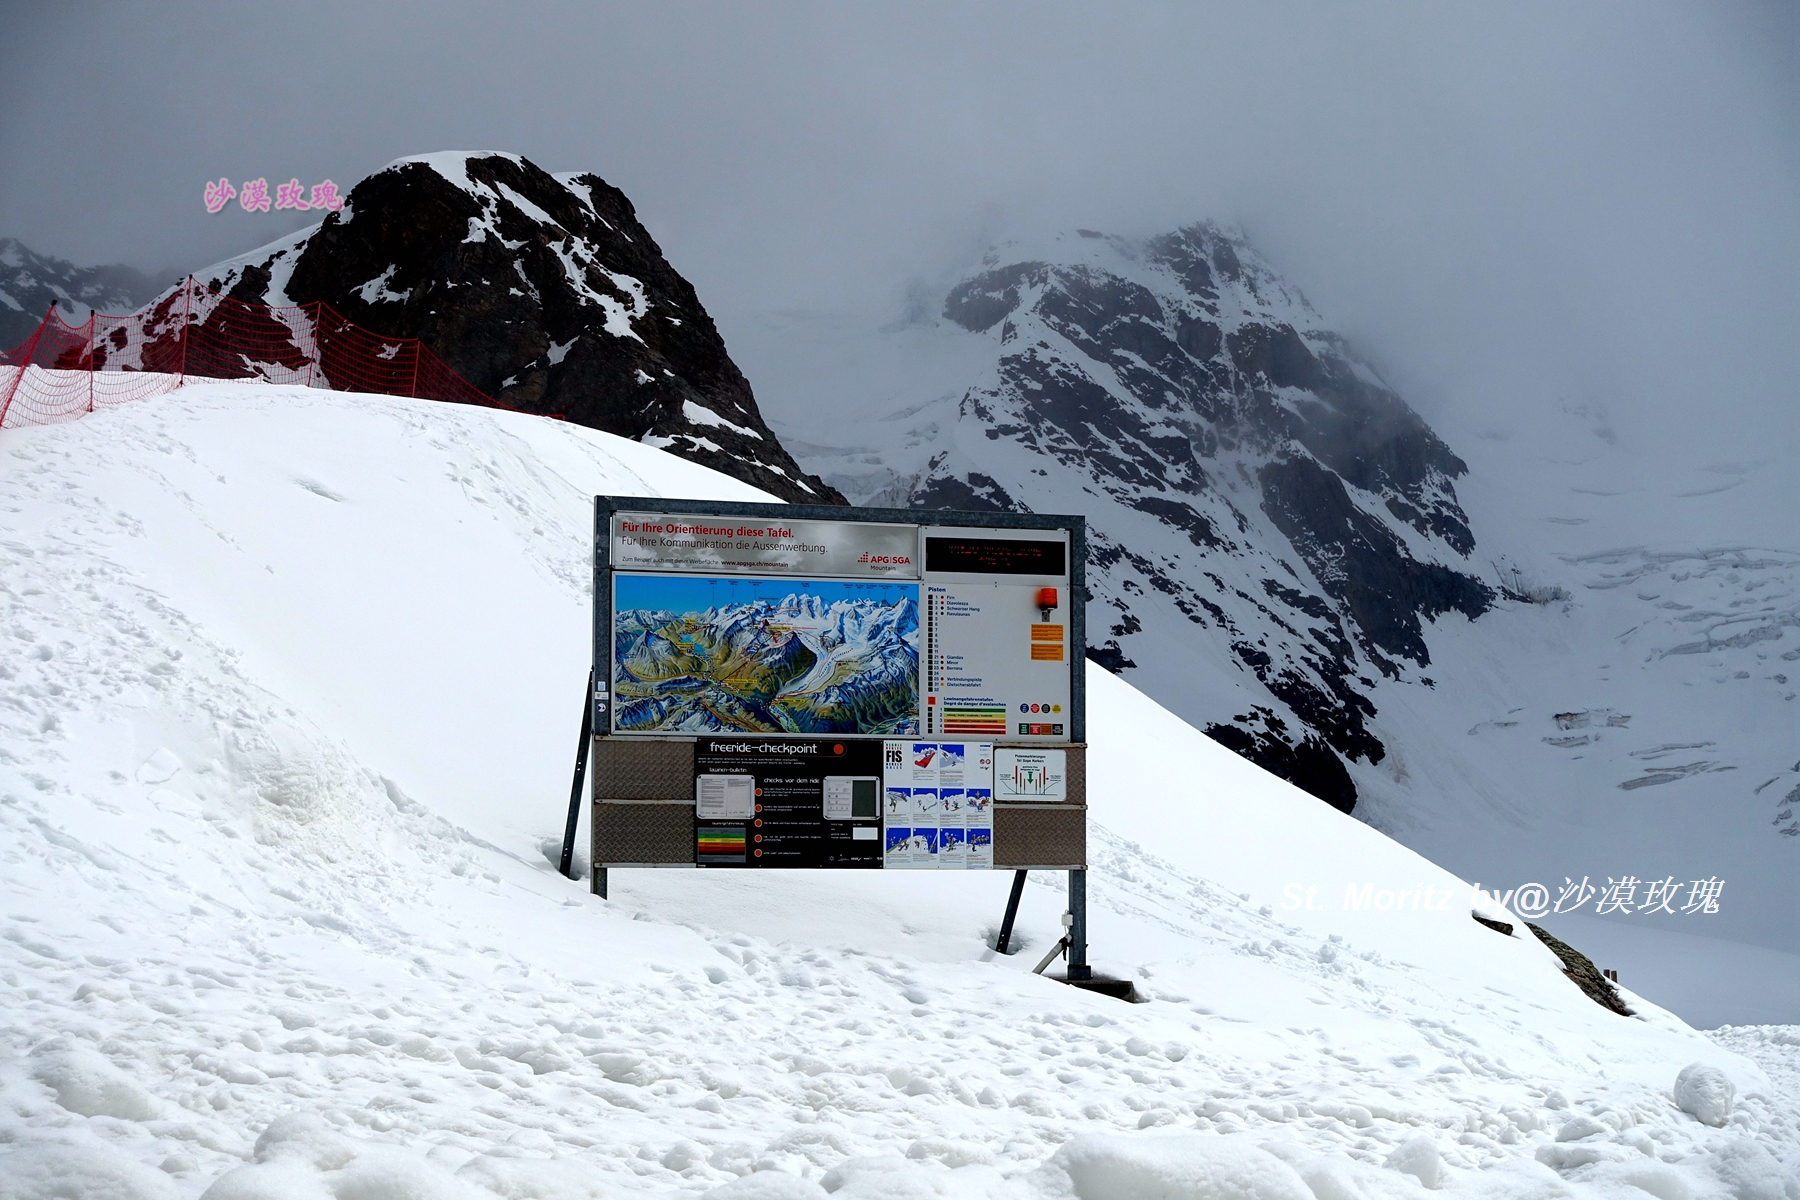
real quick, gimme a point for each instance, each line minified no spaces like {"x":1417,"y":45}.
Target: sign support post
{"x":1012,"y":911}
{"x":1078,"y":963}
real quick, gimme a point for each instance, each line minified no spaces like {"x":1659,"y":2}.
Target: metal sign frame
{"x":623,"y":762}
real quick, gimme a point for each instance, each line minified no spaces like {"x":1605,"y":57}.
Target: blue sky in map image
{"x":697,"y":593}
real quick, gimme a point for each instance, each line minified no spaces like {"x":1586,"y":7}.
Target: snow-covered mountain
{"x":1272,"y":528}
{"x":1531,"y":652}
{"x":274,"y":807}
{"x":30,"y":282}
{"x":544,"y":291}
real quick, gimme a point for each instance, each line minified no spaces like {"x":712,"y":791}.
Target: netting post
{"x":187,"y":321}
{"x":418,"y":349}
{"x":92,"y":326}
{"x":30,"y":352}
{"x":312,"y":360}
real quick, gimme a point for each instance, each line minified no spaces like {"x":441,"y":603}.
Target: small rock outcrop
{"x":1582,"y":972}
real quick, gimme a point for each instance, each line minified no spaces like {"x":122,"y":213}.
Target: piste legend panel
{"x":996,"y":635}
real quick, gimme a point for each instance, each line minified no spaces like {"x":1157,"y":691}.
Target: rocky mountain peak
{"x":545,"y":291}
{"x":1272,"y":527}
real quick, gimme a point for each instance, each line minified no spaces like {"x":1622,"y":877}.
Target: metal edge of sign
{"x":1076,"y":526}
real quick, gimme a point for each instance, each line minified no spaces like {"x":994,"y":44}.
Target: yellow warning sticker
{"x":1046,"y":652}
{"x":1046,"y":633}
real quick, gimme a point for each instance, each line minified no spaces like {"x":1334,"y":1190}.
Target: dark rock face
{"x":1360,"y":562}
{"x":30,"y":282}
{"x":1271,"y":528}
{"x":543,"y":291}
{"x":1307,"y":763}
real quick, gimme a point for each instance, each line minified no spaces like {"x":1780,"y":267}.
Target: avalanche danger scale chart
{"x":803,"y":687}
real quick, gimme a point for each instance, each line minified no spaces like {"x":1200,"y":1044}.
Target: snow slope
{"x":286,"y":715}
{"x":1645,"y":726}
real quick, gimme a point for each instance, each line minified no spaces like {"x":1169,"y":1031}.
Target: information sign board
{"x":727,"y":622}
{"x":760,"y":655}
{"x":997,"y":647}
{"x":938,"y":805}
{"x":842,"y":688}
{"x":1031,"y":775}
{"x":809,"y":686}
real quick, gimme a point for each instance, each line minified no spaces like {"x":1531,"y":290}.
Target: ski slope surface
{"x":288,"y":703}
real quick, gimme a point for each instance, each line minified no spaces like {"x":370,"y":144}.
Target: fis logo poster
{"x":939,"y":805}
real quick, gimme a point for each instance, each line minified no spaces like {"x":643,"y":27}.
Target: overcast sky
{"x":1592,"y":202}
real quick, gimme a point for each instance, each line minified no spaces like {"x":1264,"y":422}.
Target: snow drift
{"x":286,"y":714}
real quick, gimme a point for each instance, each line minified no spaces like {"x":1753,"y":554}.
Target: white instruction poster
{"x":938,"y":807}
{"x":724,"y":797}
{"x":1040,"y":775}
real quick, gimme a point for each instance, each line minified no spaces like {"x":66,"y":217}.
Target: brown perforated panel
{"x":643,"y":833}
{"x":1040,"y":835}
{"x":1078,"y":774}
{"x":636,"y":769}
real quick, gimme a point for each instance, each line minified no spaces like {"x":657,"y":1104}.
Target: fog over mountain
{"x":1510,"y":208}
{"x":30,"y":283}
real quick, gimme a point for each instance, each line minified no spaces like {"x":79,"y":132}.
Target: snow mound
{"x":1705,"y":1092}
{"x":287,"y":705}
{"x":1099,"y":1166}
{"x":88,"y":1171}
{"x":89,"y":1085}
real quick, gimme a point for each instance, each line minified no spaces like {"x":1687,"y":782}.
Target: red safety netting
{"x":65,"y":371}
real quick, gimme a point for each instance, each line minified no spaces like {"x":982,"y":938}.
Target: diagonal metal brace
{"x":581,"y":759}
{"x":1012,"y":912}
